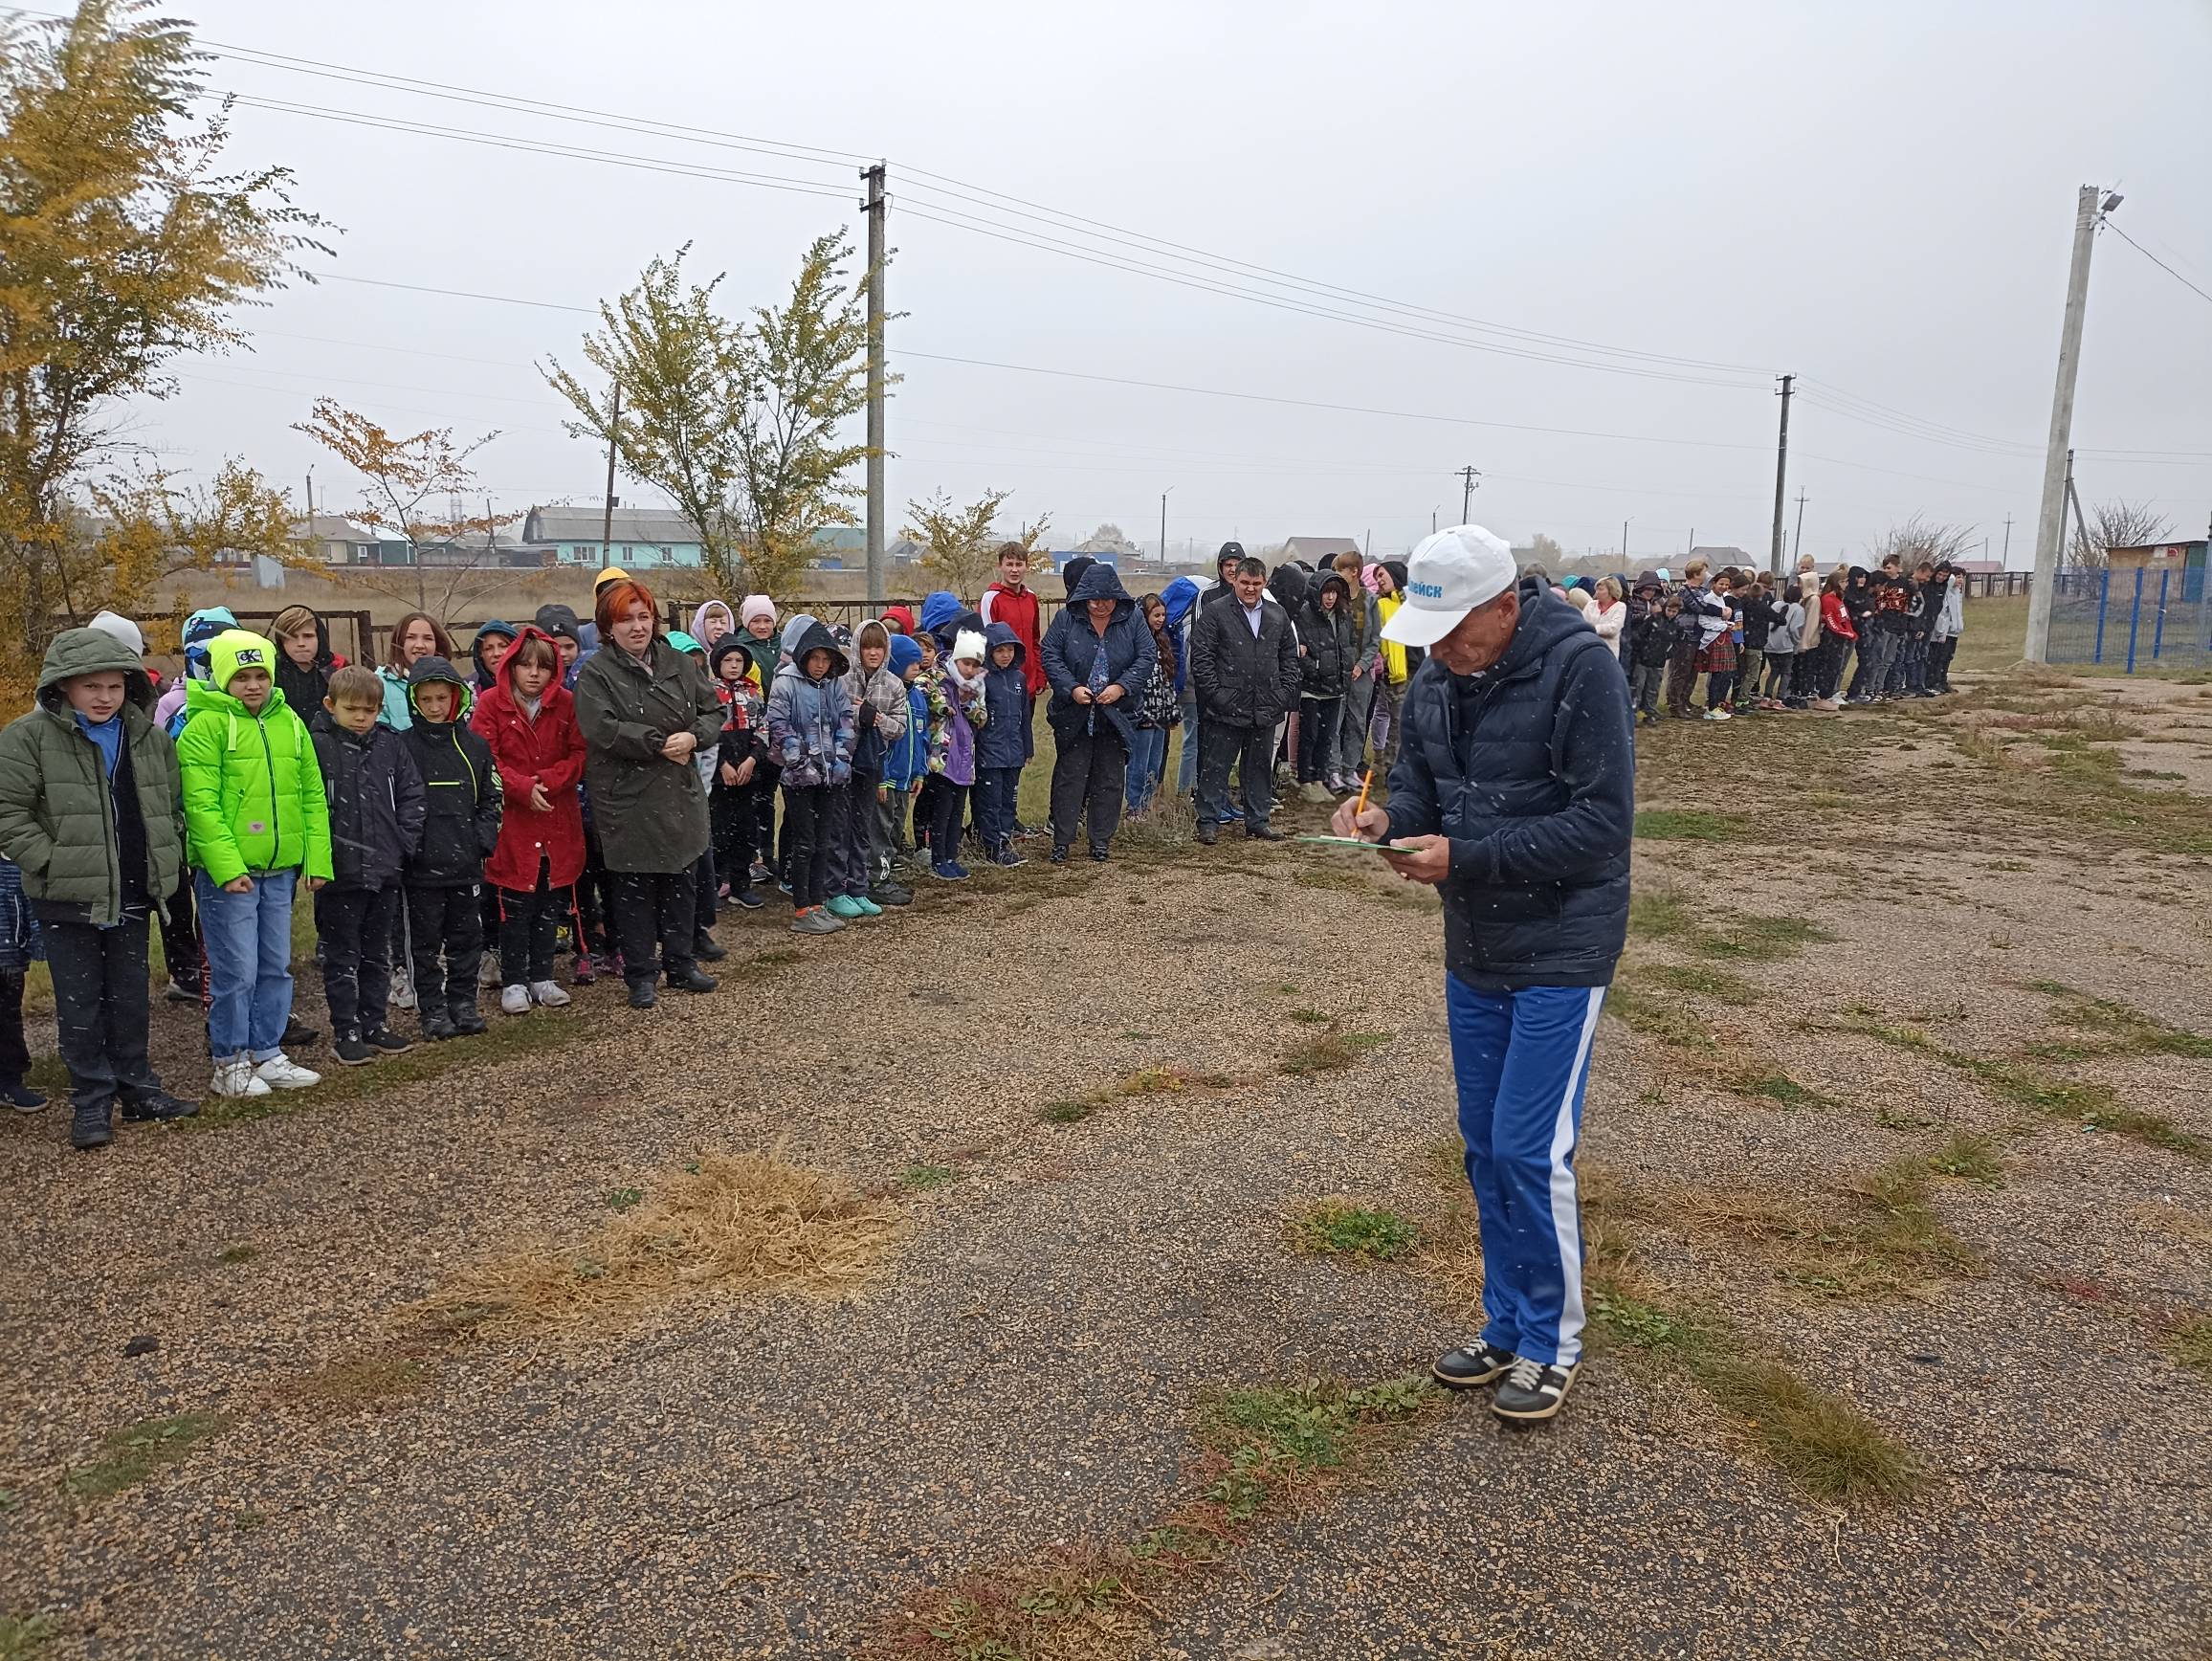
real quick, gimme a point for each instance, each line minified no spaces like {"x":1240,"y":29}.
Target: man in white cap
{"x":1514,"y":794}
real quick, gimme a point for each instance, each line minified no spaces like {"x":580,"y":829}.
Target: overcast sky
{"x":1878,"y":197}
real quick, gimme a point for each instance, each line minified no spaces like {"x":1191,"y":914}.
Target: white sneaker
{"x":237,"y":1078}
{"x":514,"y":1001}
{"x":1717,"y":715}
{"x":548,"y":994}
{"x":402,"y":989}
{"x":282,"y":1072}
{"x":488,"y":972}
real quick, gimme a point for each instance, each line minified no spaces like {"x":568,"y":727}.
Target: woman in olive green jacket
{"x":89,"y":810}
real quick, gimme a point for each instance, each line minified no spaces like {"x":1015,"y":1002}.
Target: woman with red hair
{"x":646,"y":710}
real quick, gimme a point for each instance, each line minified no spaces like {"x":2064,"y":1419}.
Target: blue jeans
{"x":249,"y":942}
{"x":998,"y":789}
{"x":1186,"y":768}
{"x":1147,"y":756}
{"x":1522,"y":1060}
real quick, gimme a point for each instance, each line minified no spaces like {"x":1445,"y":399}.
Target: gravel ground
{"x":778,"y":1477}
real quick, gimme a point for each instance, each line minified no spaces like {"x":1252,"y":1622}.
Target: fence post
{"x":2104,"y":594}
{"x":2135,"y":618}
{"x":2159,"y":629}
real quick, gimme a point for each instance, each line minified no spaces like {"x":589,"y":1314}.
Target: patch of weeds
{"x":740,"y":1224}
{"x":1782,"y":1088}
{"x":1820,"y":1440}
{"x":1309,"y":1017}
{"x":1257,"y":1448}
{"x":2189,"y":1342}
{"x":1657,"y":1018}
{"x":1719,"y":985}
{"x":777,"y":955}
{"x":1337,"y":1227}
{"x":1688,"y":825}
{"x":1764,"y":939}
{"x":128,"y":1456}
{"x":1718,"y":932}
{"x":1068,"y":1111}
{"x":235,"y":1255}
{"x":625,"y":1199}
{"x":1169,"y":1081}
{"x":2132,"y":1030}
{"x":22,"y":1636}
{"x":1329,"y":1052}
{"x":367,"y":1381}
{"x":1969,"y":1155}
{"x":920,"y":1178}
{"x":2094,"y":1105}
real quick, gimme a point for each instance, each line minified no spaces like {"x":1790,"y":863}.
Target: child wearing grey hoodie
{"x":879,"y":722}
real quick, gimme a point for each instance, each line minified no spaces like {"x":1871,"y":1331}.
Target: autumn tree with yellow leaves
{"x":122,"y":246}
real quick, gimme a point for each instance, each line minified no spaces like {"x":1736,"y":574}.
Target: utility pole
{"x":607,"y":516}
{"x":1780,"y":476}
{"x":1798,"y":543}
{"x":2091,"y":205}
{"x":878,"y":209}
{"x":2005,"y":561}
{"x":1467,"y":477}
{"x":1163,"y":495}
{"x":1624,"y":542}
{"x":2080,"y":524}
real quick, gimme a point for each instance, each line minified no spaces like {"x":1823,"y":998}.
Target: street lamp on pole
{"x":1163,"y":495}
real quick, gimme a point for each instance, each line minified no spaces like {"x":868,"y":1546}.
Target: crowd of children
{"x":1760,"y":643}
{"x":459,"y":830}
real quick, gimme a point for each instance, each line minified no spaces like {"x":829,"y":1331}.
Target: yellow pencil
{"x":1366,"y":779}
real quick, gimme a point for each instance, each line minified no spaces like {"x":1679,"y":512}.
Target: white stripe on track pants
{"x":1523,"y":1061}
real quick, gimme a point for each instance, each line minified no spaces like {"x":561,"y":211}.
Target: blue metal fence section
{"x":2132,"y":618}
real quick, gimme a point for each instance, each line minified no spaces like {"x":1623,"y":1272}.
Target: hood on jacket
{"x":683,"y":642}
{"x":1651,"y":579}
{"x":1343,"y":594}
{"x":435,"y":668}
{"x":1074,"y":571}
{"x":940,"y":608}
{"x":1102,"y":583}
{"x":477,"y":646}
{"x":712,"y":608}
{"x":816,"y":638}
{"x":998,"y":634}
{"x":1287,"y":587}
{"x":90,"y":650}
{"x":722,"y":650}
{"x":559,"y":623}
{"x":203,"y":626}
{"x":505,"y":679}
{"x":1178,"y":597}
{"x":902,"y":616}
{"x":905,"y":655}
{"x":795,"y":631}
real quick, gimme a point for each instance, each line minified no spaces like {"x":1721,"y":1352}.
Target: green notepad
{"x":1355,"y":842}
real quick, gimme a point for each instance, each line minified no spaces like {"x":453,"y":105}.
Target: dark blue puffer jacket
{"x":1004,"y":740}
{"x":1071,"y":647}
{"x":1530,"y":769}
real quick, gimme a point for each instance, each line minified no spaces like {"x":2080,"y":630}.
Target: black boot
{"x":692,"y":978}
{"x":706,"y":946}
{"x":466,"y":1022}
{"x":158,"y":1104}
{"x":92,"y":1127}
{"x":642,"y":995}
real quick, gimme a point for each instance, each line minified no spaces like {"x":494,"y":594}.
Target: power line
{"x":2156,"y":261}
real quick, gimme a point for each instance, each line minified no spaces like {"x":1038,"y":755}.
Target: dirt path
{"x":1902,"y":1252}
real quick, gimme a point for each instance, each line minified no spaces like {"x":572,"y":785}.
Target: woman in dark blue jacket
{"x":1099,"y":658}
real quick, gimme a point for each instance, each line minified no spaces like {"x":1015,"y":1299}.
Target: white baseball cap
{"x":1450,"y":574}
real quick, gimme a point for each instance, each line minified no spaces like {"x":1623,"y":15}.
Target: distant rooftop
{"x":631,"y":524}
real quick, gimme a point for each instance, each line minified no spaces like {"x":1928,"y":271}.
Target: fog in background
{"x":1876,"y":197}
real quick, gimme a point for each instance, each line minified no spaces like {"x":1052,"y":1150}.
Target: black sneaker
{"x":437,"y":1025}
{"x":1098,"y":855}
{"x":691,"y":980}
{"x":298,"y":1034}
{"x":386,"y":1042}
{"x":159,"y":1105}
{"x":1262,"y":833}
{"x":467,"y":1023}
{"x":1205,"y":836}
{"x":348,"y":1045}
{"x":642,"y":996}
{"x":1469,"y":1364}
{"x":92,"y":1127}
{"x":890,"y":894}
{"x":1008,"y":857}
{"x":1532,"y":1391}
{"x":747,"y":898}
{"x":706,"y":946}
{"x":21,"y":1096}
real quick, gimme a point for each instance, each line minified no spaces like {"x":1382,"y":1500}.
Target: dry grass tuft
{"x":1331,"y":1050}
{"x":363,"y":1381}
{"x":729,"y":1225}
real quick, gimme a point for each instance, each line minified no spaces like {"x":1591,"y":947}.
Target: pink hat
{"x":756,"y":606}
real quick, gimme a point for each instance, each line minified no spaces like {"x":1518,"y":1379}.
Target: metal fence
{"x":2132,"y":618}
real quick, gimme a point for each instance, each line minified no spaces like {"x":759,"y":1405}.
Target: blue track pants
{"x":1522,"y":1060}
